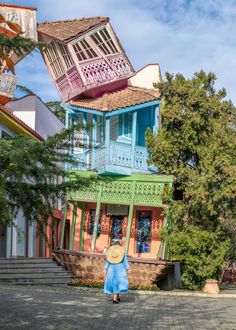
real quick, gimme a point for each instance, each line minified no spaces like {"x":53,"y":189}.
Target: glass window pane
{"x":92,"y":220}
{"x":116,"y":231}
{"x":144,"y":232}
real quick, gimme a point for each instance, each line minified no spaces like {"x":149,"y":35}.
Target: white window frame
{"x":104,"y":41}
{"x":84,"y":51}
{"x":65,"y":54}
{"x":54,"y":60}
{"x":123,"y":126}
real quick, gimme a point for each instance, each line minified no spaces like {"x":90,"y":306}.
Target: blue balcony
{"x":116,"y":140}
{"x":116,"y":158}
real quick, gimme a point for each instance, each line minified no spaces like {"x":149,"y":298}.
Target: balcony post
{"x":81,"y":241}
{"x":97,"y":216}
{"x":130,"y":218}
{"x":107,"y":140}
{"x":94,"y":138}
{"x":156,"y":118}
{"x":133,"y":141}
{"x":85,"y":135}
{"x":63,"y":225}
{"x":72,"y":232}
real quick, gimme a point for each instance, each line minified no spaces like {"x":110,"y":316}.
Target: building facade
{"x":13,"y":244}
{"x":122,"y":197}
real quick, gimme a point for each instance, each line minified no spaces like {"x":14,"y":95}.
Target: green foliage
{"x":32,"y":174}
{"x":199,"y":251}
{"x":24,"y":89}
{"x":196,"y":144}
{"x":59,"y":111}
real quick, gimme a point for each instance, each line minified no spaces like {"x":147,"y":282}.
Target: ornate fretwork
{"x":120,"y":154}
{"x":86,"y":193}
{"x":148,"y":193}
{"x":120,"y":64}
{"x":106,"y":225}
{"x":118,"y":191}
{"x":156,"y":225}
{"x":63,"y":86}
{"x":74,"y":78}
{"x":97,"y":71}
{"x":7,"y":85}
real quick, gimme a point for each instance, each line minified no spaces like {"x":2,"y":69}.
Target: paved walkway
{"x":70,"y":308}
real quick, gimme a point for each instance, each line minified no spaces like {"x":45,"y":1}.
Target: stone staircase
{"x":33,"y":271}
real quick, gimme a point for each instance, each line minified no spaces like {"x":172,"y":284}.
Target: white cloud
{"x":182,"y":35}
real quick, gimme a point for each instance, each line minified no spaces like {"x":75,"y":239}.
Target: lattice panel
{"x":63,"y":86}
{"x":106,"y":225}
{"x":148,"y":193}
{"x":156,"y":225}
{"x":87,"y":193}
{"x":7,"y":84}
{"x":117,"y":192}
{"x":75,"y":79}
{"x":120,"y":154}
{"x":140,"y":158}
{"x":121,"y":65}
{"x":97,"y":71}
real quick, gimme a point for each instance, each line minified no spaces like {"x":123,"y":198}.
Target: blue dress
{"x":116,"y":279}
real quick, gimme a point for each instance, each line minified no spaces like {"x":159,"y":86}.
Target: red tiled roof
{"x":124,"y":98}
{"x":7,"y":111}
{"x":15,"y":6}
{"x":64,"y":30}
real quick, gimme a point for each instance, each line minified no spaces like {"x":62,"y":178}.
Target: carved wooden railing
{"x":7,"y":85}
{"x":119,"y":155}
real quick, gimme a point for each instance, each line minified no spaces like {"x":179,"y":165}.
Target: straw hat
{"x":115,"y":254}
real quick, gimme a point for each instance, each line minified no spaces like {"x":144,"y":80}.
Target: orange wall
{"x":104,"y":239}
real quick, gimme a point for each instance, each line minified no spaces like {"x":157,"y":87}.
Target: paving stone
{"x":63,"y":308}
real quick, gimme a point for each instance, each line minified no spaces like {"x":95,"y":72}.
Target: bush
{"x":202,"y":253}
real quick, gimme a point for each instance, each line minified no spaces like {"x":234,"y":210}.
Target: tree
{"x":196,"y":144}
{"x":11,"y":41}
{"x":58,"y":110}
{"x":28,"y":169}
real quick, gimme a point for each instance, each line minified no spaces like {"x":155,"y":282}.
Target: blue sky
{"x":181,"y":35}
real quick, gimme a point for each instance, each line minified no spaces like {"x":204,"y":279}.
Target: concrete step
{"x":33,"y":271}
{"x":26,"y":260}
{"x":35,"y":276}
{"x":29,"y":270}
{"x":39,"y":281}
{"x":32,"y":265}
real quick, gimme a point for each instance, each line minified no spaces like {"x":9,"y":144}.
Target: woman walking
{"x":116,"y":269}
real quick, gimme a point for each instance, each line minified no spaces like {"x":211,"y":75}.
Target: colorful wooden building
{"x":100,"y":90}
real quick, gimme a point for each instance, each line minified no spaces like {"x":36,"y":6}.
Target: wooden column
{"x":72,"y":232}
{"x":97,"y":216}
{"x":107,"y":140}
{"x":156,"y":118}
{"x":81,"y":239}
{"x":133,"y":141}
{"x":130,"y":218}
{"x":63,"y":225}
{"x":85,"y":135}
{"x":94,"y":142}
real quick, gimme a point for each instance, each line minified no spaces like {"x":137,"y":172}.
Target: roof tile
{"x":65,"y":30}
{"x":124,"y":98}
